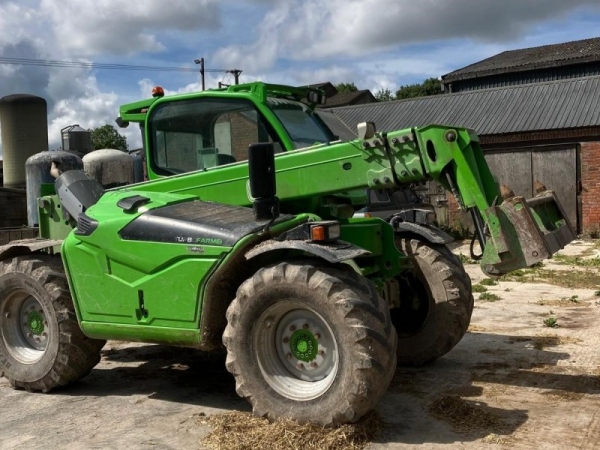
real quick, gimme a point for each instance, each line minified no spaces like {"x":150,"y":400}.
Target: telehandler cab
{"x":244,"y":236}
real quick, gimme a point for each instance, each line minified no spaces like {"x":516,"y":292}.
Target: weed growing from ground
{"x":489,"y":297}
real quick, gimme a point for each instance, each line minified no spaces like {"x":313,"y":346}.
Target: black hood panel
{"x":195,"y":223}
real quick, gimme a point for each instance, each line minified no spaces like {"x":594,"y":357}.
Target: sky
{"x":375,"y":44}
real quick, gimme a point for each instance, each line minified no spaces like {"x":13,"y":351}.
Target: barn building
{"x":537,"y":112}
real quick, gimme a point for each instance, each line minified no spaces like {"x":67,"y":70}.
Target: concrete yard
{"x":518,"y":383}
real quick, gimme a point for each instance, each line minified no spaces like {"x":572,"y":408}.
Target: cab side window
{"x":199,"y":134}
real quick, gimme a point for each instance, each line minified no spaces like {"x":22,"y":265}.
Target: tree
{"x":384,"y":95}
{"x":108,"y":137}
{"x":346,"y":87}
{"x":431,"y":86}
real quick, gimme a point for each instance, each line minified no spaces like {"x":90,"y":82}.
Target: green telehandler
{"x":244,"y":238}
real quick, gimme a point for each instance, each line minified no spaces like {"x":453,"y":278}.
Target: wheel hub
{"x":304,"y":345}
{"x":35,"y":321}
{"x":24,"y":327}
{"x":33,"y":325}
{"x":296,"y":350}
{"x":305,"y":349}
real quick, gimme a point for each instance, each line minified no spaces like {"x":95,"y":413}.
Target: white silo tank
{"x":24,"y":123}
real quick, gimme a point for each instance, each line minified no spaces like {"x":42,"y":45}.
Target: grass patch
{"x":577,"y":260}
{"x":551,"y":322}
{"x":466,"y":259}
{"x":489,"y":297}
{"x":574,"y":279}
{"x":563,"y":302}
{"x":479,"y":288}
{"x":238,"y":430}
{"x":457,"y":231}
{"x":488,"y":282}
{"x":518,"y":275}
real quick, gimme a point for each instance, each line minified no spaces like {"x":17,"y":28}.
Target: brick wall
{"x":590,"y":183}
{"x":243,"y":133}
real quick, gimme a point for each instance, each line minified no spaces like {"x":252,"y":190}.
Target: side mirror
{"x":121,"y":123}
{"x":261,"y":172}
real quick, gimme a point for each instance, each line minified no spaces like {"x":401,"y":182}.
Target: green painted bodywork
{"x":142,"y":290}
{"x":155,"y":291}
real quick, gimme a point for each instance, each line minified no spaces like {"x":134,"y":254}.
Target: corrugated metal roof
{"x":552,"y":105}
{"x":335,"y":124}
{"x":553,"y":55}
{"x":348,"y":98}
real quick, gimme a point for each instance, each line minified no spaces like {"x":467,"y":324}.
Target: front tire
{"x":436,"y":303}
{"x":310,"y":343}
{"x":41,"y":344}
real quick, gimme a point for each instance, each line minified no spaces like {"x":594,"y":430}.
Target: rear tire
{"x":41,"y":344}
{"x":310,"y":343}
{"x":436,"y":303}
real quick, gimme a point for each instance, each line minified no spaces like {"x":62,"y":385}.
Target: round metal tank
{"x":37,"y":169}
{"x":24,"y":123}
{"x":109,"y":167}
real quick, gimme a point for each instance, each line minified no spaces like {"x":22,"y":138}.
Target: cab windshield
{"x":304,"y":126}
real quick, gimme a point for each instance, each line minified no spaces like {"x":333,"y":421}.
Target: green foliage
{"x":457,"y":231}
{"x":488,"y":282}
{"x":576,"y":260}
{"x":551,"y":322}
{"x":431,"y":86}
{"x":466,"y":260}
{"x":517,"y":275}
{"x":479,"y":288}
{"x":384,"y":95}
{"x":108,"y":137}
{"x":489,"y":297}
{"x":346,"y":87}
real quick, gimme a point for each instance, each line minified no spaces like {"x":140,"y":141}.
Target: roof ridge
{"x":530,"y":58}
{"x":474,"y":91}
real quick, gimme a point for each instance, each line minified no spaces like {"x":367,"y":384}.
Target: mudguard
{"x":26,"y":246}
{"x":431,"y":234}
{"x":333,"y":252}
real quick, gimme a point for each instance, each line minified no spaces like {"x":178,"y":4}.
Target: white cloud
{"x":263,"y":53}
{"x":92,"y":27}
{"x":71,"y":29}
{"x":321,"y":29}
{"x":377,"y":44}
{"x":84,"y":104}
